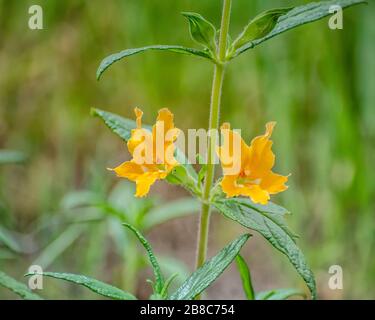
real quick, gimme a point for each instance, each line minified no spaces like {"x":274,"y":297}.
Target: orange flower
{"x":254,"y":177}
{"x":152,"y":152}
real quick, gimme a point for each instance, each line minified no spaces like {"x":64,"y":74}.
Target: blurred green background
{"x":318,"y":84}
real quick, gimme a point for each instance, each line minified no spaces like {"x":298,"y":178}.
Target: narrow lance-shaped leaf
{"x":94,"y":285}
{"x":245,"y":277}
{"x":159,"y":280}
{"x":59,"y":245}
{"x":17,"y":287}
{"x":210,"y":271}
{"x":299,"y":16}
{"x":270,"y":226}
{"x":259,"y":27}
{"x":279,"y":294}
{"x":108,"y":61}
{"x":201,"y":30}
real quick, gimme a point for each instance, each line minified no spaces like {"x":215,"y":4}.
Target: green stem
{"x":213,"y":127}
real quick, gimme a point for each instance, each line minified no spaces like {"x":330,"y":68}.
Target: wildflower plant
{"x":242,"y":195}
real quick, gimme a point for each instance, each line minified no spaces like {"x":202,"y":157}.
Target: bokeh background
{"x":318,"y":84}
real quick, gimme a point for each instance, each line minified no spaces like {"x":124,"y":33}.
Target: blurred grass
{"x":318,"y":84}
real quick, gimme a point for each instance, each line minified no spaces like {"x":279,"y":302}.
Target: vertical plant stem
{"x":213,"y":126}
{"x":131,"y":266}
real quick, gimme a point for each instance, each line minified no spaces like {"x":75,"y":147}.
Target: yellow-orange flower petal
{"x":274,"y":183}
{"x":144,"y":183}
{"x":154,"y":159}
{"x":261,"y":159}
{"x":232,"y":146}
{"x":129,"y":170}
{"x":254,"y":179}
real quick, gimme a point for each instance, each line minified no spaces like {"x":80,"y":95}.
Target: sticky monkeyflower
{"x":152,"y":152}
{"x":247,"y":169}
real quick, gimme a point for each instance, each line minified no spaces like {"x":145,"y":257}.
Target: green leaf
{"x":299,"y":16}
{"x":159,"y":280}
{"x":11,"y":157}
{"x":170,"y":210}
{"x":201,"y":30}
{"x":108,"y":61}
{"x":119,"y":125}
{"x":210,"y":271}
{"x":279,"y":294}
{"x":59,"y":245}
{"x":17,"y":287}
{"x":122,"y":127}
{"x":259,"y":27}
{"x":7,"y":238}
{"x":270,"y":225}
{"x":94,"y":285}
{"x":79,"y":198}
{"x":245,"y":277}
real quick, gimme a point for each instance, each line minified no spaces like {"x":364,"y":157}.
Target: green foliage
{"x":59,"y":245}
{"x":159,"y":279}
{"x":210,"y":271}
{"x":268,"y":221}
{"x":297,"y":17}
{"x":108,"y":61}
{"x":17,"y":287}
{"x":259,"y":27}
{"x":275,"y":294}
{"x":94,"y":285}
{"x":244,"y":271}
{"x":194,"y":285}
{"x":279,"y":294}
{"x":201,"y":30}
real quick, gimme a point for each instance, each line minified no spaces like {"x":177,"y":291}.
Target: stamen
{"x":138,"y":113}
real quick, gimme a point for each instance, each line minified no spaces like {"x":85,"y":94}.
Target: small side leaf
{"x":108,"y":61}
{"x":210,"y":271}
{"x":245,"y":277}
{"x":159,"y":280}
{"x":181,"y":176}
{"x":164,"y":292}
{"x":201,"y":30}
{"x":17,"y":287}
{"x":271,"y":227}
{"x":259,"y":27}
{"x":94,"y":285}
{"x":279,"y":294}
